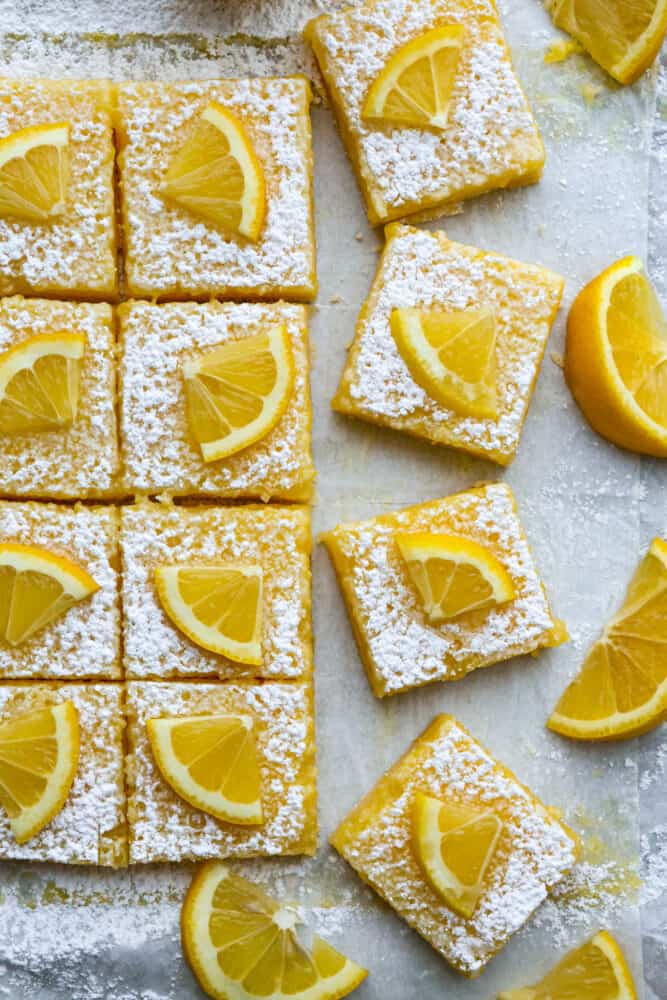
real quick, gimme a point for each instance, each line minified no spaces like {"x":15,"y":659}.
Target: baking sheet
{"x":70,"y":934}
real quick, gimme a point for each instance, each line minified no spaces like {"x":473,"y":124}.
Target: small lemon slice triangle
{"x":621,"y":689}
{"x":217,"y":175}
{"x":219,"y":607}
{"x":623,"y":38}
{"x":39,"y":755}
{"x":237,"y":393}
{"x":243,"y":945}
{"x":211,"y":762}
{"x":36,"y":587}
{"x":415,"y":85}
{"x":595,"y":971}
{"x":39,"y":383}
{"x":453,"y":575}
{"x":454,"y":844}
{"x":451,"y":355}
{"x":33,"y":172}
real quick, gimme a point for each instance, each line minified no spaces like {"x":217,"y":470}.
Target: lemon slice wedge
{"x":453,"y":575}
{"x":451,"y":355}
{"x":217,"y":175}
{"x":217,"y":607}
{"x":36,"y":587}
{"x":623,"y":38}
{"x":454,"y":845}
{"x":39,"y":383}
{"x":236,"y":394}
{"x":33,"y":172}
{"x":616,"y":358}
{"x":415,"y":85}
{"x":39,"y":755}
{"x":621,"y":690}
{"x":211,"y":762}
{"x":243,"y":945}
{"x":595,"y":971}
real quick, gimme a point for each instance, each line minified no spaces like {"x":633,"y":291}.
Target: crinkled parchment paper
{"x":589,"y":510}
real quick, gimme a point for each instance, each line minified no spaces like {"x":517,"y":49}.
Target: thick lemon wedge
{"x":36,"y":587}
{"x":33,"y":172}
{"x":243,"y":945}
{"x":39,"y":755}
{"x":39,"y":383}
{"x":453,"y":575}
{"x":621,"y":689}
{"x":454,"y":845}
{"x":415,"y":85}
{"x":236,"y":394}
{"x":616,"y":358}
{"x":595,"y":971}
{"x":624,"y":38}
{"x":217,"y":175}
{"x":451,"y":355}
{"x":217,"y":607}
{"x":211,"y":762}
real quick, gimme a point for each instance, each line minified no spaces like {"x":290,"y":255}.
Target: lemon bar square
{"x":163,"y":827}
{"x":399,"y":648}
{"x":427,"y":270}
{"x":91,"y":828}
{"x":73,"y":254}
{"x":170,"y":253}
{"x":278,"y":538}
{"x":490,"y":139}
{"x":159,"y":453}
{"x":81,"y":461}
{"x":533,"y":853}
{"x":84,"y":642}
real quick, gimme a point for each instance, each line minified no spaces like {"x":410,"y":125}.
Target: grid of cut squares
{"x":159,"y":451}
{"x":91,"y":828}
{"x":399,"y":647}
{"x":490,"y":139}
{"x":163,"y":827}
{"x":81,"y":461}
{"x":427,"y":270}
{"x":533,"y":853}
{"x":73,"y":254}
{"x":169,"y":253}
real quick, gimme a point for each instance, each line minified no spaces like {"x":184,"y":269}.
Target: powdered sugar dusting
{"x":426,"y":270}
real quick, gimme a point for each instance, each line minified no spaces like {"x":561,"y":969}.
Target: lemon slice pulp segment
{"x":39,"y":383}
{"x":33,"y":172}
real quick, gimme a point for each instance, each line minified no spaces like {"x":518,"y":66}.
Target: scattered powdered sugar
{"x":426,"y":270}
{"x":404,"y":649}
{"x":159,"y":452}
{"x":276,"y":537}
{"x":169,"y":252}
{"x":84,"y":642}
{"x":534,"y":851}
{"x":87,"y":828}
{"x":490,"y":138}
{"x":163,"y":827}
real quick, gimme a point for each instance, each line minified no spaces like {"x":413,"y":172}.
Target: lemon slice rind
{"x":17,"y":146}
{"x":24,"y":355}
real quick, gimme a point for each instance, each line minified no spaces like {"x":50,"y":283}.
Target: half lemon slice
{"x":236,"y":394}
{"x":39,"y":755}
{"x":36,"y":587}
{"x":39,"y":383}
{"x":217,"y":175}
{"x":452,"y":355}
{"x":217,"y":607}
{"x":244,"y":945}
{"x":595,"y":971}
{"x":33,"y":172}
{"x":621,"y":690}
{"x":415,"y":85}
{"x":453,"y":575}
{"x":454,"y":845}
{"x":211,"y":762}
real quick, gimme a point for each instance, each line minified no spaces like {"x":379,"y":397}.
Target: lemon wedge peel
{"x":27,"y":361}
